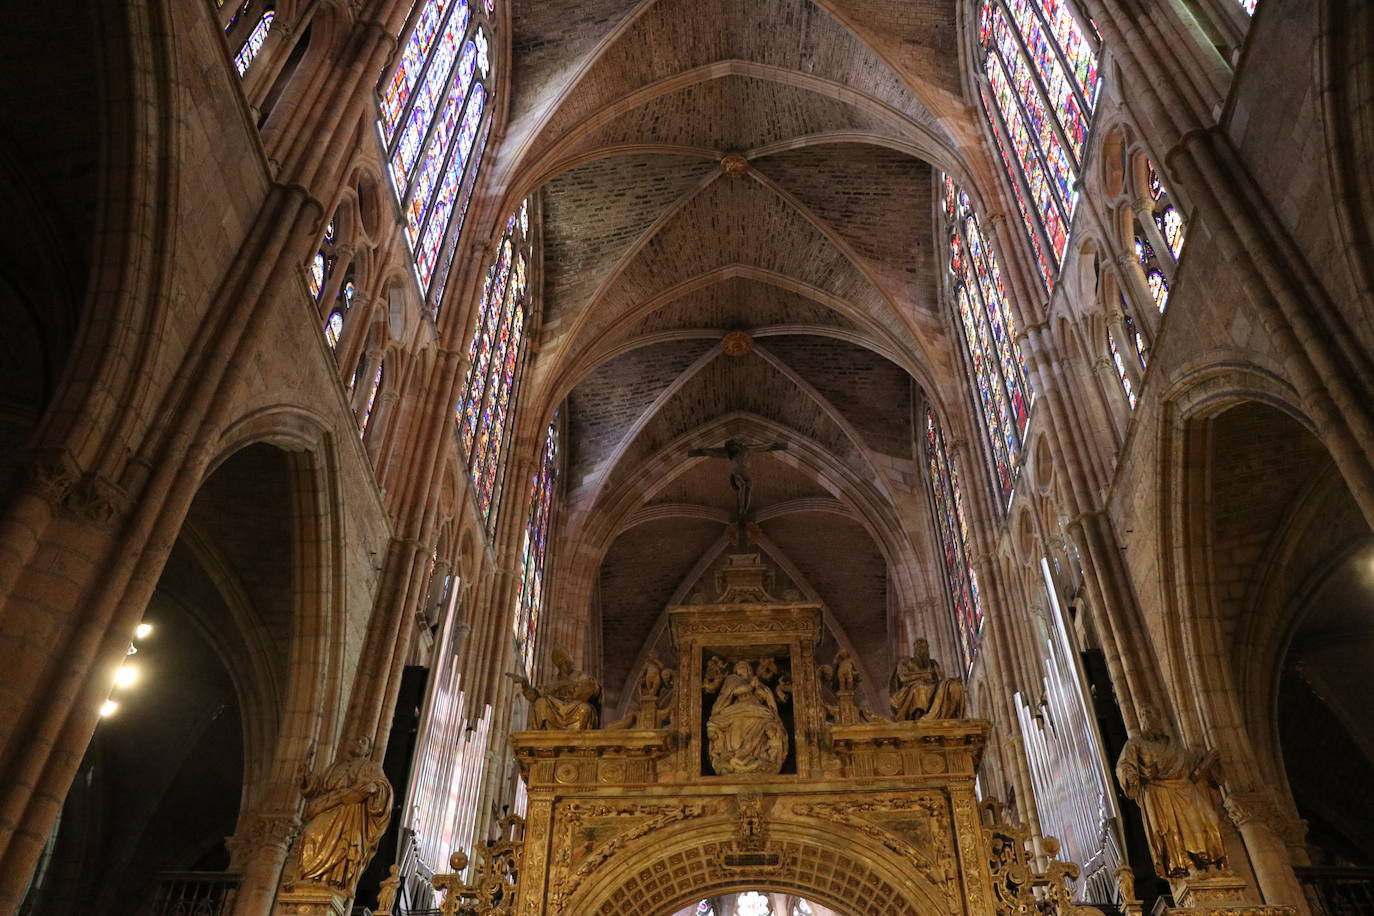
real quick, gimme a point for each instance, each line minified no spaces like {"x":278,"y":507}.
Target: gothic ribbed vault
{"x":621,"y":116}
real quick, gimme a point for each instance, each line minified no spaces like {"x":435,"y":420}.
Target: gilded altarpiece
{"x":871,"y":818}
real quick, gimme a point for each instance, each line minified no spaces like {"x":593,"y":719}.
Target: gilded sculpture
{"x":346,"y":811}
{"x":745,"y":733}
{"x":1168,"y":781}
{"x":920,"y":690}
{"x":566,"y":702}
{"x":386,"y":893}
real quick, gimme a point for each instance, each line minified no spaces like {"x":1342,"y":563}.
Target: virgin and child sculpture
{"x":745,"y":733}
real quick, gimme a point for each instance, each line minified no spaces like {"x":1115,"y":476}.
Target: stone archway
{"x":838,"y":866}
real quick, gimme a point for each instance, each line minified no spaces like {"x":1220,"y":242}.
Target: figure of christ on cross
{"x":738,"y":452}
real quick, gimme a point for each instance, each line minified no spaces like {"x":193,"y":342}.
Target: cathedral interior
{"x":687,"y":458}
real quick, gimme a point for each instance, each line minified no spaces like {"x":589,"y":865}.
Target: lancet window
{"x":1039,"y":94}
{"x":248,"y":51}
{"x":529,"y":601}
{"x":370,"y":404}
{"x":951,"y":523}
{"x":1160,"y":232}
{"x":434,"y":121}
{"x":495,"y":359}
{"x":1003,"y":390}
{"x":334,"y":324}
{"x":1119,"y":361}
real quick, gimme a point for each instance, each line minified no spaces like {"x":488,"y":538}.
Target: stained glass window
{"x":1004,"y":393}
{"x":1171,"y":227}
{"x":1248,"y":6}
{"x":1042,"y":83}
{"x":495,"y":358}
{"x":244,"y":59}
{"x":333,"y":329}
{"x":433,"y":109}
{"x":1154,"y":278}
{"x":704,"y":908}
{"x":951,"y":523}
{"x":371,"y":400}
{"x":1167,"y":219}
{"x":529,"y":599}
{"x":1126,"y":387}
{"x":319,"y":270}
{"x":334,"y":324}
{"x":234,"y":19}
{"x":1141,"y":348}
{"x":753,"y":903}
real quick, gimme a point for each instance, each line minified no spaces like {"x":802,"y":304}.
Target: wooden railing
{"x":1338,"y":891}
{"x":194,"y":893}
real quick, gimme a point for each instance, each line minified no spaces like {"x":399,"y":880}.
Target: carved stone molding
{"x":271,"y":832}
{"x":97,"y":500}
{"x":51,"y":475}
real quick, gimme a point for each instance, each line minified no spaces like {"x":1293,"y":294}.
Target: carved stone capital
{"x":1246,"y":808}
{"x":270,"y":833}
{"x":97,"y":500}
{"x":51,"y":475}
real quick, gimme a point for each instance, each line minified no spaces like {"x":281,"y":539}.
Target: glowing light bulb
{"x":142,"y":630}
{"x":126,"y":675}
{"x":109,"y":707}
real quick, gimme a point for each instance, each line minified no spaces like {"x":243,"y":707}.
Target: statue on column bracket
{"x":920,"y":690}
{"x":1167,"y":780}
{"x":567,"y":702}
{"x":347,"y":809}
{"x":842,"y":677}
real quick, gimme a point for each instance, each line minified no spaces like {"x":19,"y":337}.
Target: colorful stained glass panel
{"x":244,"y":59}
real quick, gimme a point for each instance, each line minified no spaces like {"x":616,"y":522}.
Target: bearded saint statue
{"x":920,"y":690}
{"x":566,"y":702}
{"x":347,"y":809}
{"x":1166,"y":779}
{"x":744,"y":733}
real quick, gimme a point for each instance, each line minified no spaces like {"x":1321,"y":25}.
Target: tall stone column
{"x":1262,"y":828}
{"x":258,"y":853}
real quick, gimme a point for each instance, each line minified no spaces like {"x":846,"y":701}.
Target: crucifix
{"x":738,"y":452}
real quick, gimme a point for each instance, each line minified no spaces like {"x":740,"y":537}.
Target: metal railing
{"x":194,"y":893}
{"x":1338,"y":891}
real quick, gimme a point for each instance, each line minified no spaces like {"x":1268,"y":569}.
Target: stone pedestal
{"x":1220,"y":895}
{"x":310,"y":900}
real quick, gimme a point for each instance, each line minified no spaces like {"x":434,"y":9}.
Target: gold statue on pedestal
{"x":1165,"y":778}
{"x":567,"y":702}
{"x":920,"y":690}
{"x":745,"y":733}
{"x":346,"y":811}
